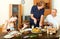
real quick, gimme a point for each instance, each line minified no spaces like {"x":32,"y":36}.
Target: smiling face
{"x":54,"y":12}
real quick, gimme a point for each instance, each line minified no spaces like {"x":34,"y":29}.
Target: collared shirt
{"x":37,"y":13}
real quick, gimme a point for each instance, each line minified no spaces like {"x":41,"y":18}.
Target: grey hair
{"x":55,"y":9}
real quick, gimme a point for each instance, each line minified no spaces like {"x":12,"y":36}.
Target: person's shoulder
{"x":49,"y":15}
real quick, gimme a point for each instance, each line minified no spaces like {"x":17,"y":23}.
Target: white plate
{"x":28,"y":29}
{"x":13,"y":32}
{"x":8,"y":36}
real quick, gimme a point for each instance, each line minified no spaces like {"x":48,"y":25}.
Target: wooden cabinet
{"x":16,"y":9}
{"x":2,"y":28}
{"x":47,"y":6}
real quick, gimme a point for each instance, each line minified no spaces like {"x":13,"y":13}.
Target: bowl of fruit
{"x":36,"y":30}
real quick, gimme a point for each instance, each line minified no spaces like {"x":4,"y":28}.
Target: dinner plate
{"x":28,"y":29}
{"x":8,"y":36}
{"x":13,"y":32}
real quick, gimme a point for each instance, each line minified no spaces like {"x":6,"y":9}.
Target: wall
{"x":55,"y":4}
{"x":27,"y":6}
{"x":4,"y":9}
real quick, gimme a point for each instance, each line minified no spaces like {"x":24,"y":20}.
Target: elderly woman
{"x":37,"y":13}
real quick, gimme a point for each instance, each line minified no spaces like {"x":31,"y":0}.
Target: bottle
{"x":32,"y":26}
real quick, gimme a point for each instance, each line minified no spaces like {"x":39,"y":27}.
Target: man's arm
{"x":41,"y":20}
{"x":32,"y":17}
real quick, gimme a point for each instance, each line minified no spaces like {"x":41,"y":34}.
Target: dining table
{"x":43,"y":35}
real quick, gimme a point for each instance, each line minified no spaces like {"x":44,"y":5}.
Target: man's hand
{"x":32,"y":17}
{"x":35,"y":21}
{"x":50,"y":24}
{"x":41,"y":20}
{"x":40,"y":24}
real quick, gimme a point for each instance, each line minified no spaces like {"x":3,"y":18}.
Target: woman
{"x":37,"y":13}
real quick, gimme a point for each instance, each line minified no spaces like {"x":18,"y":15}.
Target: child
{"x":24,"y":25}
{"x":10,"y":26}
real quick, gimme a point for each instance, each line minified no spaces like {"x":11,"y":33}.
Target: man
{"x":37,"y":13}
{"x":51,"y":19}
